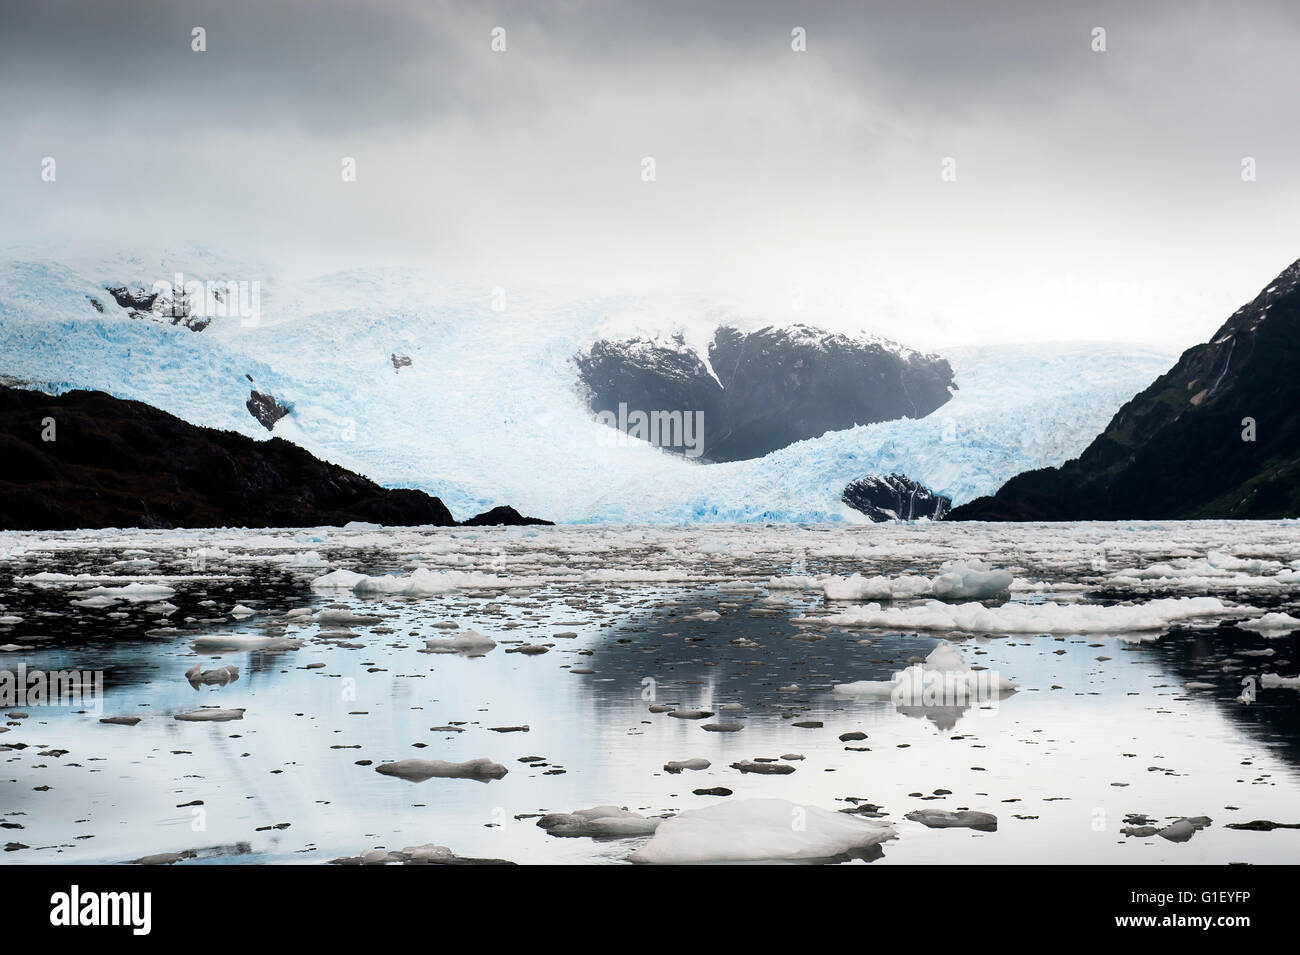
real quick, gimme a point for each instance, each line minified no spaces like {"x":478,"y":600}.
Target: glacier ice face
{"x":488,"y":412}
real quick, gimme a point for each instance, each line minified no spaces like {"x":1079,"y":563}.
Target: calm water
{"x":1084,"y":741}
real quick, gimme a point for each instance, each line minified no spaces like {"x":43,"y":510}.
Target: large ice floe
{"x":761,"y":830}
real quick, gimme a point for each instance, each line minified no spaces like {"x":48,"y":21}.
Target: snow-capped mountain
{"x":755,"y":392}
{"x":489,"y":409}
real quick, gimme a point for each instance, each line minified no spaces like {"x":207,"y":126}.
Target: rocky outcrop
{"x":763,"y":390}
{"x":136,"y":300}
{"x":400,"y":361}
{"x":895,"y":497}
{"x":86,"y":459}
{"x":1217,"y":436}
{"x":265,"y":408}
{"x":503,"y":515}
{"x":174,"y":310}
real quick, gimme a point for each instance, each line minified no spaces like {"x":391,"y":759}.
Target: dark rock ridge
{"x":768,"y":388}
{"x":502,"y":515}
{"x":86,"y":459}
{"x":400,"y":361}
{"x":1217,"y":436}
{"x":895,"y":497}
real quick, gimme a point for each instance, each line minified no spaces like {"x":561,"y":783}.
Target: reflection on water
{"x":1102,"y":726}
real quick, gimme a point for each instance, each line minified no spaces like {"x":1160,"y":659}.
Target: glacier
{"x":489,"y":412}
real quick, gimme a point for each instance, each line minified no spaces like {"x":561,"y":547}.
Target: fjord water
{"x":1103,"y":725}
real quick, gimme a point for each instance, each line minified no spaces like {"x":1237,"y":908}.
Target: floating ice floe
{"x":427,"y":854}
{"x":970,"y":580}
{"x":957,"y":580}
{"x":858,"y":587}
{"x":136,"y":591}
{"x":471,"y":643}
{"x":418,"y":770}
{"x":965,"y":819}
{"x":1272,"y":624}
{"x":760,"y":830}
{"x":216,"y":677}
{"x":1272,"y":679}
{"x":677,"y":765}
{"x":943,"y":679}
{"x":606,"y":821}
{"x":1180,"y":830}
{"x":237,"y":642}
{"x":1031,"y":618}
{"x":336,"y":617}
{"x":767,"y":768}
{"x":211,"y":715}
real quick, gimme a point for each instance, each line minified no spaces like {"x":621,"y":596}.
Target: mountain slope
{"x":1217,"y":436}
{"x":86,"y":459}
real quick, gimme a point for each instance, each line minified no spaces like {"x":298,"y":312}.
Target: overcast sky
{"x":1097,"y":194}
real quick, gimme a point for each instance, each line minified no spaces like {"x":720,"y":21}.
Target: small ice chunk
{"x":211,"y":715}
{"x":471,"y":643}
{"x":418,"y":770}
{"x":347,"y":618}
{"x":218,"y":677}
{"x":765,"y":769}
{"x":943,"y":819}
{"x":696,"y":763}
